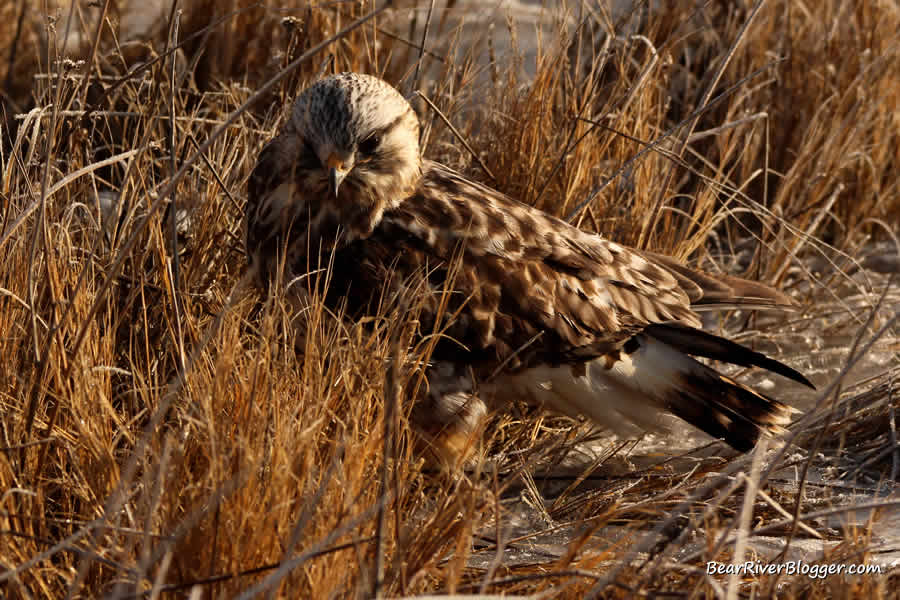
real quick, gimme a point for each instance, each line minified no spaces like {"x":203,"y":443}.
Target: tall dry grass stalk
{"x":165,"y":427}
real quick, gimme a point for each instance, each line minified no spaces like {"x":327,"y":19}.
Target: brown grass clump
{"x":166,"y":431}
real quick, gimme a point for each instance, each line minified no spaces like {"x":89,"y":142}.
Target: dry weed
{"x":165,"y":428}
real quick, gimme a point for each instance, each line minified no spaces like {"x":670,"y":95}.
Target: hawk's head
{"x":361,"y":138}
{"x":349,"y":151}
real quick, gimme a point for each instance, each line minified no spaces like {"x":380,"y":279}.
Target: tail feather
{"x":692,"y":391}
{"x":726,"y":409}
{"x":633,"y":387}
{"x":697,"y":342}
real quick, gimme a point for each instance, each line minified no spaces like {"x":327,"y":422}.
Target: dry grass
{"x":163,"y":427}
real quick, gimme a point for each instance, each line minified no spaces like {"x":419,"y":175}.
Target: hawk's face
{"x":349,"y":152}
{"x":359,"y":147}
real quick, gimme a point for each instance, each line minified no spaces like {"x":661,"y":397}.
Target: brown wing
{"x":536,"y":267}
{"x":720,"y":291}
{"x":523,"y":272}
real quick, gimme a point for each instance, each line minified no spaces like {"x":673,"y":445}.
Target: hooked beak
{"x":337,"y":170}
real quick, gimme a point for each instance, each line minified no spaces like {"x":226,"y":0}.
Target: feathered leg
{"x":448,"y":416}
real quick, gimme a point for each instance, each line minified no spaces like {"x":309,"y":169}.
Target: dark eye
{"x":369,"y":145}
{"x":310,"y":155}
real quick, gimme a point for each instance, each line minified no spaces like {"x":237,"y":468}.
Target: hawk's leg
{"x":448,"y":415}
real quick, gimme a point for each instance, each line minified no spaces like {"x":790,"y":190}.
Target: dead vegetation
{"x":164,"y":429}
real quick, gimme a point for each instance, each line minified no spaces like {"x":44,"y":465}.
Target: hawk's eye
{"x":369,"y":145}
{"x":310,"y":155}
